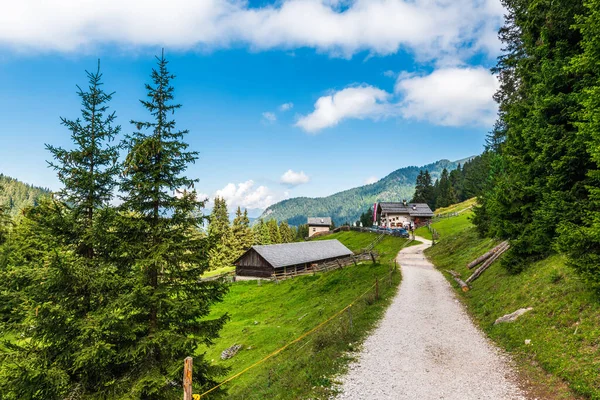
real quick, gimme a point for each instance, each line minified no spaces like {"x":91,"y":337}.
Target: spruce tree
{"x":285,"y":232}
{"x":581,"y":241}
{"x":419,"y":196}
{"x":164,"y":308}
{"x":262,"y":234}
{"x":222,"y":241}
{"x":56,"y":275}
{"x":274,"y":233}
{"x":242,"y":234}
{"x":88,"y":171}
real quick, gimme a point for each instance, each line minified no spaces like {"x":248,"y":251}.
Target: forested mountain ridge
{"x":15,"y":195}
{"x":347,"y":206}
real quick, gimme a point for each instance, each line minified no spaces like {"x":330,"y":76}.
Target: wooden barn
{"x":263,"y":261}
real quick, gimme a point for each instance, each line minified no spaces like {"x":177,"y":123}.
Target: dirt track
{"x":426,"y":346}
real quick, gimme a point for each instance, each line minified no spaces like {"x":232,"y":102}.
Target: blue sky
{"x":369,"y":86}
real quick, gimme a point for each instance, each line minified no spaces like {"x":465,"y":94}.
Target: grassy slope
{"x":457,"y":207}
{"x":564,"y":327}
{"x":451,"y":225}
{"x":266,"y":316}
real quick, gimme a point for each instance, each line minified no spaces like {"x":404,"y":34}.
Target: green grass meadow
{"x":563,"y":359}
{"x":266,"y":316}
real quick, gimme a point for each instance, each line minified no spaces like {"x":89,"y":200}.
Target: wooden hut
{"x":263,"y":261}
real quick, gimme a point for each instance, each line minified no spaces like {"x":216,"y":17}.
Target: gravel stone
{"x":427,"y":347}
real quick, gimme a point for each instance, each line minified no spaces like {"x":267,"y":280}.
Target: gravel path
{"x":426,"y":346}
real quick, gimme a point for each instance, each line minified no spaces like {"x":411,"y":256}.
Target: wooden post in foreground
{"x":376,"y":288}
{"x":187,"y":378}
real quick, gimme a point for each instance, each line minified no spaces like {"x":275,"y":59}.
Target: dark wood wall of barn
{"x":252,"y":264}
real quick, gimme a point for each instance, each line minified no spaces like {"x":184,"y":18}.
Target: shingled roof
{"x":286,"y":254}
{"x":319,"y":221}
{"x":412,"y":209}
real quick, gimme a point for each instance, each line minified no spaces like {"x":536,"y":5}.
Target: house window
{"x":314,"y":229}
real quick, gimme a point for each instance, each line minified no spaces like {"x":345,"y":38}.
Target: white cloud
{"x":370,"y":180}
{"x":449,"y":96}
{"x":390,"y":74}
{"x":354,"y":102}
{"x":269,"y":117}
{"x":432,"y":29}
{"x":286,"y":106}
{"x":293,"y":178}
{"x":247,"y":195}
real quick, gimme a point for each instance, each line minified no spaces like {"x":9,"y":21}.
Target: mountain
{"x":15,"y":194}
{"x":347,"y":206}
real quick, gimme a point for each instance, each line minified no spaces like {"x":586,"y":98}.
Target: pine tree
{"x":88,"y":171}
{"x":55,"y":274}
{"x":242,"y":233}
{"x":445,"y":194}
{"x":222,"y":241}
{"x":5,"y":221}
{"x":273,"y":229}
{"x":581,"y":241}
{"x":429,"y":190}
{"x":162,"y":257}
{"x":302,"y":232}
{"x":543,"y":156}
{"x":262,"y":234}
{"x":286,"y":233}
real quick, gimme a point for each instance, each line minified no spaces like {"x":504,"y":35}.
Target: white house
{"x":401,"y":214}
{"x":318,"y":224}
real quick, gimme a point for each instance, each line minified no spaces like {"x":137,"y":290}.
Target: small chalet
{"x":318,"y":225}
{"x":398,"y":215}
{"x":262,"y":261}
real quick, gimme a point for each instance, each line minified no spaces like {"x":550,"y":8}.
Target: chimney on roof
{"x":321,"y":220}
{"x":414,"y":206}
{"x":404,"y":202}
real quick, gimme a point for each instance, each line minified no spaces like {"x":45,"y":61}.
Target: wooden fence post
{"x":376,"y":288}
{"x":372,"y":257}
{"x":187,"y":378}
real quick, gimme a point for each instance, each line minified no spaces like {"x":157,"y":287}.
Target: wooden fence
{"x":327,"y":266}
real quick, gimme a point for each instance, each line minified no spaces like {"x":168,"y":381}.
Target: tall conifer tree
{"x":88,"y":171}
{"x":164,"y":308}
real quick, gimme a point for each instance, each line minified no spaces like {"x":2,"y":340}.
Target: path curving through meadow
{"x":427,"y":347}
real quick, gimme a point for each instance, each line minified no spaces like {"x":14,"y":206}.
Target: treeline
{"x":230,"y":240}
{"x":543,"y":190}
{"x":461,"y":184}
{"x":103,"y":301}
{"x":16,"y":195}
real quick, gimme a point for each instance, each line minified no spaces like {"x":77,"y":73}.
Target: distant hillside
{"x":347,"y":206}
{"x":15,"y":194}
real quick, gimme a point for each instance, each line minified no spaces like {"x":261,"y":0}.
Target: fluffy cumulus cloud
{"x":292,"y":178}
{"x":247,"y":195}
{"x":354,"y":102}
{"x":286,"y":106}
{"x":269,"y":117}
{"x":432,"y":29}
{"x":451,"y":96}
